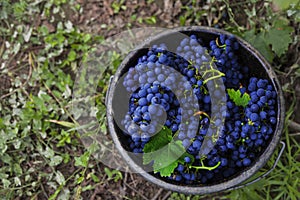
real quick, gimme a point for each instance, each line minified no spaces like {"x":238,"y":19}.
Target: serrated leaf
{"x":158,"y":141}
{"x":167,"y":160}
{"x":238,"y":98}
{"x":279,"y":37}
{"x":258,"y":42}
{"x":164,"y":152}
{"x":164,"y":171}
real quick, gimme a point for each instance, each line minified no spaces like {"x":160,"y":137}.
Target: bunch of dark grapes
{"x":221,"y":148}
{"x":150,"y":81}
{"x":146,"y":110}
{"x":224,"y":50}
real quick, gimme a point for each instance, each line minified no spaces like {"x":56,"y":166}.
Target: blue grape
{"x":246,"y":162}
{"x":180,"y":168}
{"x":187,"y":159}
{"x":254,"y":117}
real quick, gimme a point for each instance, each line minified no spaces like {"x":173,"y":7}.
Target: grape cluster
{"x":245,"y":134}
{"x":173,"y":88}
{"x":260,"y":112}
{"x":150,"y":82}
{"x":147,"y":106}
{"x":224,"y":49}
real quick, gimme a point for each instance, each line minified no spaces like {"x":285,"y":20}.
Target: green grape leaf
{"x":276,"y":40}
{"x":165,"y":152}
{"x":259,"y":42}
{"x":238,"y":98}
{"x":159,"y":140}
{"x":279,"y":36}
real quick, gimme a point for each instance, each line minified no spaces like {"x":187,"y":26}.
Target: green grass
{"x":41,"y":150}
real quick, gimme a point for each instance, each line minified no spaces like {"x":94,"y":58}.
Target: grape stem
{"x":213,"y":77}
{"x":251,"y":123}
{"x":202,"y":113}
{"x":221,"y":46}
{"x":212,"y":70}
{"x":215,"y":137}
{"x":220,"y":74}
{"x":205,"y":167}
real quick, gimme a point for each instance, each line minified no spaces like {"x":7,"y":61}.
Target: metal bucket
{"x":248,"y":55}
